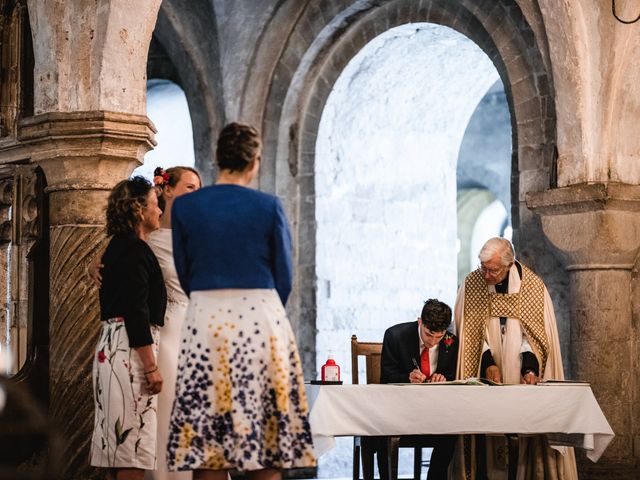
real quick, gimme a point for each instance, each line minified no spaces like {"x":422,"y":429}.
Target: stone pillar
{"x":83,"y":155}
{"x":595,"y":232}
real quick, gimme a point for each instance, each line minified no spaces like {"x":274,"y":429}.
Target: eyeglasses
{"x":491,"y":271}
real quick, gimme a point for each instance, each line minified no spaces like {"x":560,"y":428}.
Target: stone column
{"x":83,"y":155}
{"x":595,"y":231}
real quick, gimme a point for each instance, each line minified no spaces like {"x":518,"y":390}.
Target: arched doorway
{"x":385,"y":180}
{"x":484,"y":178}
{"x":315,"y":56}
{"x":385,"y":187}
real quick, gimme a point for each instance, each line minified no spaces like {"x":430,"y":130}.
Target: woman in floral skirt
{"x":240,"y":399}
{"x":133,"y":299}
{"x":173,"y":183}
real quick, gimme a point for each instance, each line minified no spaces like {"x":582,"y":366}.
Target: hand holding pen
{"x":416,"y":376}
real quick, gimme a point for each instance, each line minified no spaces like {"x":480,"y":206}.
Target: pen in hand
{"x":415,"y":364}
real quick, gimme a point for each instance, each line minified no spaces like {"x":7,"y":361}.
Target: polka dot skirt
{"x":240,"y":398}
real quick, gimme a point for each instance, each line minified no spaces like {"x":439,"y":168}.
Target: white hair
{"x":498,"y":245}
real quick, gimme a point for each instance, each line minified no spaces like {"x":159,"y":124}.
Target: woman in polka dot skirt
{"x":240,"y":398}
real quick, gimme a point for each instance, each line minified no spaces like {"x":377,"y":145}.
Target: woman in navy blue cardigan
{"x":240,"y":399}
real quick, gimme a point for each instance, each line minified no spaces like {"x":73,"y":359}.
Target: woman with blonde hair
{"x":175,"y":182}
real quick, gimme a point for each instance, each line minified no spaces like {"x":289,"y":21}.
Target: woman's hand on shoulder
{"x":94,"y":269}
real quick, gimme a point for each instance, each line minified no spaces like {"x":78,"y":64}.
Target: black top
{"x":132,"y":288}
{"x":401,"y":345}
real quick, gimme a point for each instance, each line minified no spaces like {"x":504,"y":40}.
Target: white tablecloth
{"x":570,"y":414}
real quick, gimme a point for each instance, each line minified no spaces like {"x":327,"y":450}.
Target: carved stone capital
{"x":591,"y":226}
{"x":83,"y":155}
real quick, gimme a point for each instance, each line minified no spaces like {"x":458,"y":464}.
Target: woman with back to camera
{"x":133,"y":298}
{"x":240,"y":398}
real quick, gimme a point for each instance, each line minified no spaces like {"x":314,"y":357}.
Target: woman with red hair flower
{"x":175,"y":182}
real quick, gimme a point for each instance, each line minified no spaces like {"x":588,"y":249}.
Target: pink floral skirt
{"x":124,"y":433}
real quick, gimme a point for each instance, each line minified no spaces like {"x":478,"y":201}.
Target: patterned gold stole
{"x":479,"y":305}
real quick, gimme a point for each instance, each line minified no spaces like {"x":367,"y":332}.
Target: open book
{"x":486,"y":381}
{"x":563,"y":382}
{"x":468,"y":381}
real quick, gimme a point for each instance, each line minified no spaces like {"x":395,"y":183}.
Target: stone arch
{"x":186,"y":33}
{"x":315,"y":55}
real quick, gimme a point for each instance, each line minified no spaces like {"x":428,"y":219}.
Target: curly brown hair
{"x":238,"y":145}
{"x":175,"y":174}
{"x":124,"y":207}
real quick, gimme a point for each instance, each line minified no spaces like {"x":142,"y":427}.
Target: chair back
{"x":372,"y":352}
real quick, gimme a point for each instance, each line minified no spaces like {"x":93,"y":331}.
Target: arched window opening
{"x":16,"y":66}
{"x":386,"y":188}
{"x":168,"y":110}
{"x":480,"y":217}
{"x":484,"y":178}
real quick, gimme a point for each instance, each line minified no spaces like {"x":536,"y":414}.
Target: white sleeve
{"x":525,"y":346}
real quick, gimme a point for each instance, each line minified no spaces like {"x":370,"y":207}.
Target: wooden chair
{"x":363,"y":447}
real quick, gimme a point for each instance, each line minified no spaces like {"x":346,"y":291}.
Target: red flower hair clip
{"x":160,"y":177}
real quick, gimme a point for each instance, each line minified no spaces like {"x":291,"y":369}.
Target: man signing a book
{"x":422,"y":352}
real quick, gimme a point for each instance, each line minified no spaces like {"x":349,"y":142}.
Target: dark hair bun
{"x":238,"y":145}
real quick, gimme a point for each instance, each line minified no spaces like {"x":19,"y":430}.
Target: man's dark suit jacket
{"x":401,"y":344}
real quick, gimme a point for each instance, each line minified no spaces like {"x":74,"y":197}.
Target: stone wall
{"x":274,"y":63}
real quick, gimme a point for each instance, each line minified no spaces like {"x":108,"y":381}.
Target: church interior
{"x":399,"y":135}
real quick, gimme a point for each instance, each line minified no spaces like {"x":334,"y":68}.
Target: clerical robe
{"x":529,"y":313}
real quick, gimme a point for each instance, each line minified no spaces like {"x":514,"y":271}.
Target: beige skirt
{"x":124,"y":433}
{"x":240,"y":397}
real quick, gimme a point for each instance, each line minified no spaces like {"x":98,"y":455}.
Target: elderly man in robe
{"x":507,"y":331}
